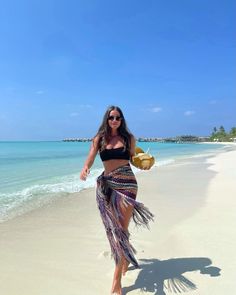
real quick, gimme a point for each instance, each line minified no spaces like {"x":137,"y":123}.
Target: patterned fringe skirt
{"x":115,"y":190}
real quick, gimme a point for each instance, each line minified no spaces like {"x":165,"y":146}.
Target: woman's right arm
{"x":90,"y":159}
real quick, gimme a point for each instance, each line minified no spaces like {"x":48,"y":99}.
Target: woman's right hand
{"x":84,"y":173}
{"x":90,"y":159}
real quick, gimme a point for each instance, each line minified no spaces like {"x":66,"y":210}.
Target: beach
{"x":62,"y":249}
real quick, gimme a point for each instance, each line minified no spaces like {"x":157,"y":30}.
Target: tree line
{"x":221,"y":135}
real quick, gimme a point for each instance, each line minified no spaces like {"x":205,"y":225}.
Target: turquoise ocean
{"x":33,"y":174}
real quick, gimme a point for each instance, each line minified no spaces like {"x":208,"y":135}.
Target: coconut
{"x":142,"y":160}
{"x":138,"y":150}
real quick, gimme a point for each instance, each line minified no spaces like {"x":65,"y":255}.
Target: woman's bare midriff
{"x":111,"y":165}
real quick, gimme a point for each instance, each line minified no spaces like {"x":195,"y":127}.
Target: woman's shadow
{"x":157,"y":276}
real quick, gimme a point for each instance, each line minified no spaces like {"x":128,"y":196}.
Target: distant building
{"x":77,"y":139}
{"x":177,"y":139}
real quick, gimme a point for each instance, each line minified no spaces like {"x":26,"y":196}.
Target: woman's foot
{"x":125,"y":266}
{"x":116,"y":288}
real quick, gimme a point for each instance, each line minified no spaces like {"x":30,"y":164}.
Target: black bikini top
{"x":115,"y":153}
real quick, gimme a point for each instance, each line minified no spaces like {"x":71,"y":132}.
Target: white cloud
{"x":156,"y":109}
{"x":213,"y":101}
{"x":2,"y":117}
{"x":85,"y":106}
{"x":40,"y":92}
{"x":189,"y":113}
{"x":78,"y":106}
{"x":74,"y":114}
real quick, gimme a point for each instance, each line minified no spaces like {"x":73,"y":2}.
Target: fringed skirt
{"x":115,"y":190}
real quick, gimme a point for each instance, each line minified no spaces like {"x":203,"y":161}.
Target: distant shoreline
{"x":160,"y":140}
{"x":89,"y":140}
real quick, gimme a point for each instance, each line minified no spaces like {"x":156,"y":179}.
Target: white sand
{"x":62,"y":249}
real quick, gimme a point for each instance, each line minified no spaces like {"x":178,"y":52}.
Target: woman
{"x":117,"y":189}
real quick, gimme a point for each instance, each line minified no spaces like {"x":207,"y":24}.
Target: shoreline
{"x":39,"y":202}
{"x":62,"y":248}
{"x":219,"y":142}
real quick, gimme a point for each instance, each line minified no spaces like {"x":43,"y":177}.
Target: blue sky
{"x":170,"y":65}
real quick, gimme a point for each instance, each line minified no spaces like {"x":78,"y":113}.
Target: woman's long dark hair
{"x":104,"y":131}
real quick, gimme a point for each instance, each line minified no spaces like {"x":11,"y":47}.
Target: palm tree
{"x":222,"y":130}
{"x":233,"y":132}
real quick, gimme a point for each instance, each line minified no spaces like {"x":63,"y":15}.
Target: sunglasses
{"x":112,"y":118}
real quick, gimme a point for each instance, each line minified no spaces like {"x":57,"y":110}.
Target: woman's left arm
{"x":132,"y":146}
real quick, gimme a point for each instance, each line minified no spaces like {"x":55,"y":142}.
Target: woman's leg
{"x":120,"y":268}
{"x":127,"y":213}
